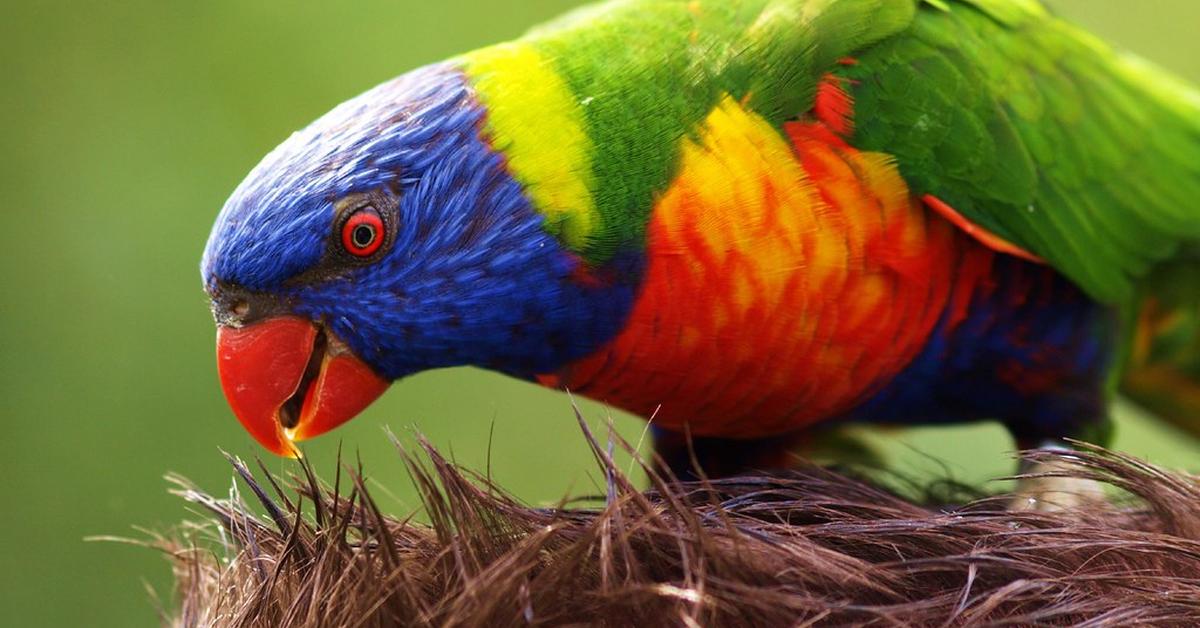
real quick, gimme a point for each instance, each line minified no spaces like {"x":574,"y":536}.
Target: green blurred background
{"x":125,"y":125}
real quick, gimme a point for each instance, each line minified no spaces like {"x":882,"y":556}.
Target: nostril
{"x":239,"y":308}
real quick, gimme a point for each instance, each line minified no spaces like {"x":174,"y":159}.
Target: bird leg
{"x":1053,"y":485}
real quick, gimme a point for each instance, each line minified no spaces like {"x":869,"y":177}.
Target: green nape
{"x":1040,"y":133}
{"x":646,"y":72}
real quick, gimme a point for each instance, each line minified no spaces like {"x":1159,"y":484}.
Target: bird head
{"x":387,"y":238}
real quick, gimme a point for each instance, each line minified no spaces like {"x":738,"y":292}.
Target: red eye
{"x":362,"y":233}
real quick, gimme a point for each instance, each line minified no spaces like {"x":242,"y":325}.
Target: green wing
{"x":1040,"y":133}
{"x":1022,"y":123}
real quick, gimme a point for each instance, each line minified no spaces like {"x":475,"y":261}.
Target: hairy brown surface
{"x":810,"y":547}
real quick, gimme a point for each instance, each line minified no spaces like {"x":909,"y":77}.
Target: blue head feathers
{"x":467,"y":274}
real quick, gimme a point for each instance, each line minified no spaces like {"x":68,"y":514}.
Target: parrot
{"x":743,"y":220}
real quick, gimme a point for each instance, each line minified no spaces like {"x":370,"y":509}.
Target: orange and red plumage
{"x":768,"y":349}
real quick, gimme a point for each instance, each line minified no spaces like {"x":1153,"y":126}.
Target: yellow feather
{"x":535,"y":121}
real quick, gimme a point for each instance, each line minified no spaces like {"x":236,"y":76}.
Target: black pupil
{"x":363,"y":236}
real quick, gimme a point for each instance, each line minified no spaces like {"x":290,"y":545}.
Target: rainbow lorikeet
{"x":745,"y":218}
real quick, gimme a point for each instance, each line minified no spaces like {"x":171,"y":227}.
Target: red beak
{"x":288,"y":380}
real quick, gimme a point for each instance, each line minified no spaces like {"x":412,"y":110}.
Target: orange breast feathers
{"x":785,"y":282}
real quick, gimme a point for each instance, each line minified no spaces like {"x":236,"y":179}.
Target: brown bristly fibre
{"x":809,"y":547}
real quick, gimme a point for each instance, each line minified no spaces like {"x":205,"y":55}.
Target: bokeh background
{"x":124,"y":126}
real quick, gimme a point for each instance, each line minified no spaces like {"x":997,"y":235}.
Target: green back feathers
{"x":1041,"y":134}
{"x":1022,"y":123}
